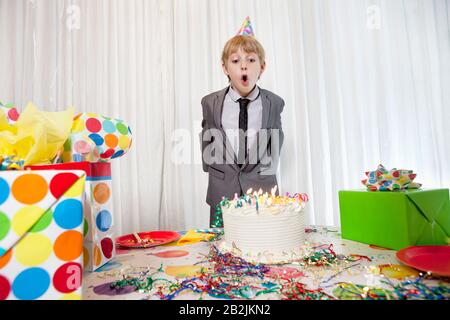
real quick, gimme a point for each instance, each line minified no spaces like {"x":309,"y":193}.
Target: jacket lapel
{"x":265,"y":109}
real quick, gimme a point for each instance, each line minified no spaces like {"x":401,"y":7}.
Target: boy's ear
{"x":224,"y":68}
{"x":263,"y":68}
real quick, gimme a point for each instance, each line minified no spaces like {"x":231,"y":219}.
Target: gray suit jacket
{"x":226,"y":177}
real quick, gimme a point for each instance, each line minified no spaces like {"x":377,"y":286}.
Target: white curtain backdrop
{"x":365,"y":82}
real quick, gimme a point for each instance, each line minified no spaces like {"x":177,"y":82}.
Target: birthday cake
{"x":264,"y":229}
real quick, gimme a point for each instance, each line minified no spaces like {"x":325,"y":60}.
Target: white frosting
{"x":272,"y":234}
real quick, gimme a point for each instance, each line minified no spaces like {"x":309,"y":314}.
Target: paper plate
{"x":153,"y":238}
{"x":434,"y":259}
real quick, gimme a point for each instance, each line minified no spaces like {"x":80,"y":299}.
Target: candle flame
{"x":274,"y":190}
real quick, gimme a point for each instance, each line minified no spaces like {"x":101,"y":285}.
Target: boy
{"x":242,"y":135}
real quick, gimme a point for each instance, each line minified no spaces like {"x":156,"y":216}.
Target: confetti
{"x":225,"y":276}
{"x":406,"y":290}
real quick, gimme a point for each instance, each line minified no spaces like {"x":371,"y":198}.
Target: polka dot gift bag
{"x":98,"y":214}
{"x":41,"y":234}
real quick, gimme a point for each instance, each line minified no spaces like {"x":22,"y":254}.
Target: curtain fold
{"x":364,"y":81}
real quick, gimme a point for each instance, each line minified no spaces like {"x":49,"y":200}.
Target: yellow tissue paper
{"x":36,"y":137}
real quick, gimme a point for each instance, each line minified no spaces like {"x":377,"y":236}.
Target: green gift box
{"x":396,"y":219}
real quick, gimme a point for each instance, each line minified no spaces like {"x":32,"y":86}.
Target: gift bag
{"x":98,"y":232}
{"x":41,"y":234}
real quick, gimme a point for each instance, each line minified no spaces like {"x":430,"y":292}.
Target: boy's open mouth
{"x":244,"y":79}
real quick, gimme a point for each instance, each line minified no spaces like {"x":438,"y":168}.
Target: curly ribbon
{"x":217,"y":221}
{"x":415,"y":289}
{"x":11,"y":163}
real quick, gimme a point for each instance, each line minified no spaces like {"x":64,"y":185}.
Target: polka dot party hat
{"x":97,"y":138}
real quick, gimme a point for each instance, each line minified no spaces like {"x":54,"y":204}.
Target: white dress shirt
{"x":230,"y":117}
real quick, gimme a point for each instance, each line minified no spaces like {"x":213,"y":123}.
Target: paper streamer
{"x":193,"y":237}
{"x":395,"y":179}
{"x":111,"y":136}
{"x":11,"y":163}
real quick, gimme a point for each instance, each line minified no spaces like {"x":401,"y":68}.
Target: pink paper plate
{"x":152,"y":238}
{"x":434,"y":259}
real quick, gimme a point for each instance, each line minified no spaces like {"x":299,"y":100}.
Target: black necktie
{"x":243,"y":125}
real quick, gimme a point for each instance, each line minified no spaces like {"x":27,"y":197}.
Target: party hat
{"x":246,"y":28}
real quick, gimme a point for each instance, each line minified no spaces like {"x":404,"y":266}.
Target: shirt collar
{"x":236,"y":96}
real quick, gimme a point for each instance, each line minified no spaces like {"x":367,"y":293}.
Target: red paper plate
{"x":153,"y":238}
{"x":435,"y":259}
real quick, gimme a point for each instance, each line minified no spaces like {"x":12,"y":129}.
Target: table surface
{"x":358,"y":271}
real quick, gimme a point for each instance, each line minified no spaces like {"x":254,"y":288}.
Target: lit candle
{"x":274,"y":190}
{"x":265,"y":199}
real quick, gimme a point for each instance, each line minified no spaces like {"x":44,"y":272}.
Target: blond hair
{"x":246,"y":43}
